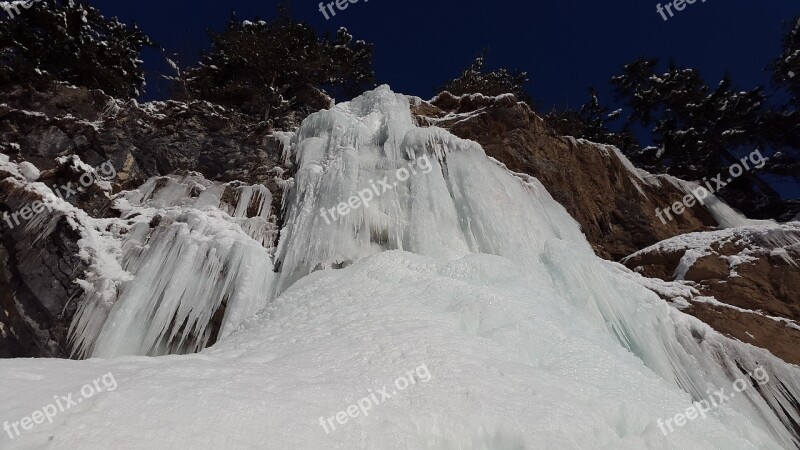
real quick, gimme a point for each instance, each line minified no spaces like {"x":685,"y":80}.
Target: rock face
{"x":614,"y":202}
{"x":67,"y":132}
{"x":748,"y":281}
{"x":64,"y":269}
{"x":142,"y":141}
{"x":37,"y":276}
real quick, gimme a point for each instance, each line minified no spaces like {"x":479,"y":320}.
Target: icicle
{"x":183,"y":272}
{"x":202,"y":270}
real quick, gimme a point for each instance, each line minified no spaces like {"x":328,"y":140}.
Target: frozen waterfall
{"x":401,"y":245}
{"x":470,"y":203}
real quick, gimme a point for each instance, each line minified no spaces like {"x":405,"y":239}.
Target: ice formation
{"x":188,"y":258}
{"x":194,"y":254}
{"x":531,"y":339}
{"x":471,"y":204}
{"x":248,"y":205}
{"x":725,"y":216}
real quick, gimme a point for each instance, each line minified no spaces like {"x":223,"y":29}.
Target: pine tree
{"x":786,"y":68}
{"x":699,"y":130}
{"x":782,"y":124}
{"x":69,"y":41}
{"x":476,"y":80}
{"x":281,"y":70}
{"x":592,"y":122}
{"x":695,"y":127}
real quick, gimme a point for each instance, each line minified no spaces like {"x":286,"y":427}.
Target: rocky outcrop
{"x":747,"y":281}
{"x":141,"y":140}
{"x":613,"y":202}
{"x":64,"y":258}
{"x":38,"y":270}
{"x":68,"y":132}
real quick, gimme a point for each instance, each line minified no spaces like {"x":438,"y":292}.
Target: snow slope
{"x":531,"y":341}
{"x":512,"y":366}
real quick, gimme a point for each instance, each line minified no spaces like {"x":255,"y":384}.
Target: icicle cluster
{"x":196,"y":263}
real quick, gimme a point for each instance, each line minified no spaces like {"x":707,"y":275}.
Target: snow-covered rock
{"x":29,"y":171}
{"x":746,"y":281}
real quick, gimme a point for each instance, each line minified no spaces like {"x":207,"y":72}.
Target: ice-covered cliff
{"x":402,"y":246}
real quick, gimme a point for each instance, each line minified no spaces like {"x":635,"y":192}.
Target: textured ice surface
{"x":193,"y":252}
{"x":181,"y":273}
{"x":512,"y":366}
{"x":531,"y":340}
{"x":725,"y":216}
{"x":187,"y":254}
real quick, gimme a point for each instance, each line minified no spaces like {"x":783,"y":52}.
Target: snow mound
{"x":29,"y":171}
{"x":511,"y":366}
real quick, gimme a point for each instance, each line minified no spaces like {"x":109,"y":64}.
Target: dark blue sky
{"x":565,"y":45}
